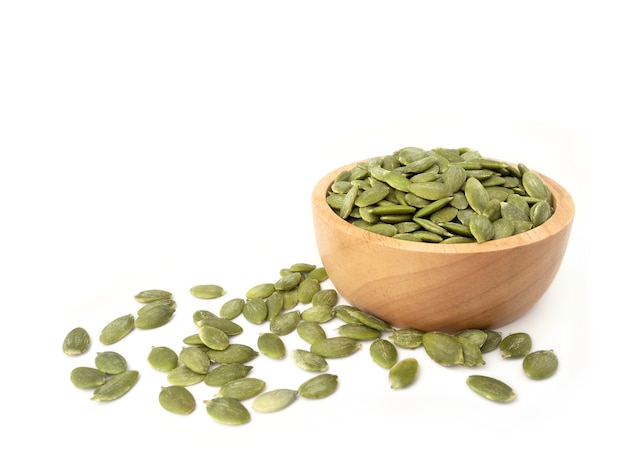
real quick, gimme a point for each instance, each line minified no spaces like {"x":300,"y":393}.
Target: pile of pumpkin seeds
{"x":296,"y":303}
{"x":441,"y":195}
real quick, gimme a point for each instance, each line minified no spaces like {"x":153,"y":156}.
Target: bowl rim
{"x":560,"y":220}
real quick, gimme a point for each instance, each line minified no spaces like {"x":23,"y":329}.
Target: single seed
{"x":227,"y":410}
{"x":177,"y":399}
{"x":195,"y":359}
{"x":408,"y":338}
{"x":225,"y":373}
{"x":492,"y":341}
{"x":242,"y":389}
{"x":476,"y":336}
{"x":150,"y":295}
{"x":319,"y":274}
{"x":515,"y":345}
{"x":110,"y":362}
{"x":383,"y":352}
{"x":274,"y":400}
{"x":472,"y":355}
{"x":302,"y":267}
{"x":284,"y":323}
{"x":288,"y":281}
{"x":87,"y":377}
{"x":116,"y":386}
{"x":306,"y":289}
{"x":162,"y":358}
{"x":335,"y":347}
{"x":359,"y":332}
{"x":275,"y":304}
{"x":184,"y":376}
{"x":206,"y":318}
{"x":260,"y":291}
{"x":117,"y":329}
{"x":255,"y":311}
{"x":325,"y":297}
{"x":271,"y":345}
{"x":310,"y":331}
{"x":234,"y":353}
{"x":370,"y":320}
{"x":213,"y":337}
{"x":320,"y":386}
{"x":318,"y":313}
{"x":540,"y":364}
{"x":157,"y":304}
{"x":207,"y":291}
{"x":491,"y":388}
{"x":154,"y":318}
{"x":309,"y":361}
{"x":232,"y":308}
{"x":403,"y":373}
{"x":76,"y":342}
{"x":443,"y":348}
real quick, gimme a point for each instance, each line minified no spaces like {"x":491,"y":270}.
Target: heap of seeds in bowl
{"x":441,"y":196}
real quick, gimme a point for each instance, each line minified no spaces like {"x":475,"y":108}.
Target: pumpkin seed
{"x":110,"y":362}
{"x":306,"y":289}
{"x":206,"y":318}
{"x":275,"y":304}
{"x":157,"y":304}
{"x":515,"y":345}
{"x":177,"y":399}
{"x":540,"y":364}
{"x":320,"y":386}
{"x":476,"y":336}
{"x":207,"y":291}
{"x":274,"y":400}
{"x":226,"y":410}
{"x":261,"y":291}
{"x":235,"y":352}
{"x":271,"y":345}
{"x":370,"y":320}
{"x":184,"y":376}
{"x":309,"y":361}
{"x":408,"y":338}
{"x":154,"y":317}
{"x":87,"y":377}
{"x":195,"y":358}
{"x":443,"y":348}
{"x":242,"y":389}
{"x":491,"y":388}
{"x":117,"y":329}
{"x":150,"y":295}
{"x":213,"y":337}
{"x":116,"y":386}
{"x":335,"y":347}
{"x":310,"y":331}
{"x":325,"y":297}
{"x":232,"y":308}
{"x":359,"y":332}
{"x":472,"y":355}
{"x":383,"y":352}
{"x":403,"y":373}
{"x":318,"y":313}
{"x":162,"y":358}
{"x":319,"y":274}
{"x":284,"y":323}
{"x":225,"y":373}
{"x":76,"y":342}
{"x":288,"y":281}
{"x":255,"y":311}
{"x":492,"y":341}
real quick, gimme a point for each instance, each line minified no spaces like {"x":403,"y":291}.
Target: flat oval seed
{"x":207,"y":291}
{"x":87,"y":377}
{"x":162,"y":358}
{"x":306,"y":289}
{"x":76,"y":342}
{"x":318,"y":314}
{"x":117,"y":329}
{"x":232,"y":308}
{"x":177,"y":399}
{"x":275,"y":304}
{"x":515,"y":345}
{"x":184,"y":376}
{"x":476,"y":194}
{"x":476,"y":336}
{"x":472,"y":355}
{"x":490,"y":388}
{"x":150,"y":295}
{"x":234,"y":353}
{"x":325,"y":297}
{"x":255,"y":311}
{"x":154,"y":318}
{"x":213,"y":337}
{"x":310,"y":331}
{"x":274,"y":400}
{"x":384,"y":353}
{"x":492,"y":341}
{"x":403,"y":373}
{"x":204,"y":317}
{"x":284,"y":323}
{"x":225,"y":373}
{"x":408,"y":338}
{"x":335,"y":347}
{"x":116,"y":386}
{"x":320,"y":386}
{"x":163,"y":303}
{"x":260,"y":291}
{"x":370,"y":320}
{"x":319,"y":274}
{"x":288,"y":281}
{"x":242,"y":389}
{"x":110,"y":362}
{"x":196,"y":359}
{"x":442,"y":348}
{"x":309,"y":361}
{"x":358,"y":332}
{"x":540,"y":364}
{"x":227,"y":410}
{"x":271,"y":345}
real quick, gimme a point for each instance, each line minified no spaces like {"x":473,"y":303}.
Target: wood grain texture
{"x":441,"y":287}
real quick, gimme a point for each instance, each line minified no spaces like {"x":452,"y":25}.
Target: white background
{"x":167,"y":144}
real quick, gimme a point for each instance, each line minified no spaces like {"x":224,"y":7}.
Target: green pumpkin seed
{"x":515,"y":345}
{"x":232,"y":308}
{"x":157,"y":304}
{"x":482,"y":228}
{"x":155,"y":317}
{"x":290,"y":299}
{"x":306,"y":289}
{"x":242,"y":389}
{"x":195,"y":358}
{"x":359,"y":332}
{"x":443,"y":348}
{"x":116,"y":386}
{"x":193,"y":340}
{"x":213,"y":337}
{"x":370,"y":320}
{"x":372,"y":195}
{"x":335,"y":347}
{"x":260,"y":291}
{"x":476,"y":336}
{"x":225,"y":373}
{"x":310,"y":331}
{"x":184,"y":376}
{"x":403,"y":373}
{"x":275,"y":304}
{"x":540,"y":212}
{"x":207,"y":291}
{"x":255,"y":311}
{"x":87,"y":377}
{"x":348,"y":202}
{"x":162,"y":358}
{"x":284,"y":323}
{"x":430,"y":190}
{"x":225,"y":410}
{"x":302,"y":267}
{"x":271,"y":345}
{"x":274,"y":400}
{"x":319,"y":274}
{"x":492,"y":341}
{"x":383,"y":352}
{"x":177,"y":399}
{"x":325,"y":297}
{"x":206,"y":318}
{"x":309,"y":361}
{"x":110,"y":362}
{"x":491,"y":388}
{"x":320,"y":386}
{"x":150,"y":295}
{"x":117,"y":329}
{"x":318,"y":313}
{"x":234,"y":353}
{"x":76,"y":342}
{"x":472,"y":355}
{"x":535,"y":187}
{"x":408,"y":338}
{"x":540,"y":364}
{"x":288,"y":281}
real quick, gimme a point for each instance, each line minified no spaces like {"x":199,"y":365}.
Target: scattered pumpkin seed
{"x":515,"y":345}
{"x":87,"y":377}
{"x":271,"y":345}
{"x":226,"y":410}
{"x":320,"y":386}
{"x":116,"y":386}
{"x":358,"y":331}
{"x":150,"y":295}
{"x":540,"y":364}
{"x":255,"y":310}
{"x":383,"y":352}
{"x":284,"y":323}
{"x":110,"y":362}
{"x":318,"y":314}
{"x":408,"y":338}
{"x":309,"y":361}
{"x":232,"y":308}
{"x":76,"y":342}
{"x":117,"y":329}
{"x":491,"y":388}
{"x":403,"y":373}
{"x":306,"y":289}
{"x":274,"y":400}
{"x":207,"y":291}
{"x":335,"y":347}
{"x":184,"y":376}
{"x":242,"y":389}
{"x":169,"y":304}
{"x":155,"y":317}
{"x":492,"y":341}
{"x":206,"y":318}
{"x":195,"y":359}
{"x":310,"y":331}
{"x":213,"y":337}
{"x":177,"y":399}
{"x":163,"y":358}
{"x":225,"y":373}
{"x":443,"y":348}
{"x":235,"y":352}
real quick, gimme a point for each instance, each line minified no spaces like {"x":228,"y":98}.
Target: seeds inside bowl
{"x":441,"y":196}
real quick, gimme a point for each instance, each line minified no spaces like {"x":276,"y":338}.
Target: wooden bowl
{"x":446,"y":287}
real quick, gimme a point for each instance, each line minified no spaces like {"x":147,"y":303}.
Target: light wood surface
{"x":441,"y":287}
